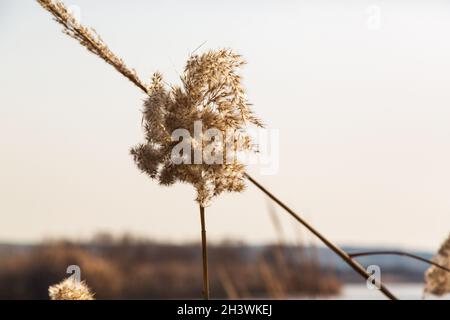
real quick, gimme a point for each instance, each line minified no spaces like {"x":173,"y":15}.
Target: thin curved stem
{"x":397,"y":253}
{"x":341,"y":253}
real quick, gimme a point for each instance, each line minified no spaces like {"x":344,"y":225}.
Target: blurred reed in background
{"x":131,"y":268}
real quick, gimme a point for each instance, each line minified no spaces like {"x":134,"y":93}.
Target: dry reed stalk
{"x":315,"y":271}
{"x":273,"y":286}
{"x":300,"y":251}
{"x":204,"y":255}
{"x":276,"y":224}
{"x":92,"y":41}
{"x":243,"y":289}
{"x":213,"y":96}
{"x":280,"y":251}
{"x":341,"y":253}
{"x":89,"y":39}
{"x":212,"y":93}
{"x":227,"y":283}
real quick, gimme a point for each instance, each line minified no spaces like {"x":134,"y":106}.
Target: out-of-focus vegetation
{"x":131,"y":268}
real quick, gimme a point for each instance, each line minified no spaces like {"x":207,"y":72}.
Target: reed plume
{"x":437,"y":280}
{"x":89,"y":39}
{"x":211,"y":95}
{"x":70,"y":289}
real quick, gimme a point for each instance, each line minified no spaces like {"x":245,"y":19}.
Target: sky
{"x":356,"y":90}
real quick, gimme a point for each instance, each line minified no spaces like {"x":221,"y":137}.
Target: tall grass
{"x":132,"y":268}
{"x":145,"y":156}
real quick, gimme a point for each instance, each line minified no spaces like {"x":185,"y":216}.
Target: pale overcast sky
{"x":359,"y":91}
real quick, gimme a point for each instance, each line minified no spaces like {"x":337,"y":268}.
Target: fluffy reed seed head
{"x":213,"y":94}
{"x":89,"y":39}
{"x":437,"y":280}
{"x":70,"y":289}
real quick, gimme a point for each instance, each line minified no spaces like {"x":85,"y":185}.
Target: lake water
{"x":403,"y":291}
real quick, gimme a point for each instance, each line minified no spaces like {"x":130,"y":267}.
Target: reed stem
{"x":204,"y":255}
{"x":341,"y":253}
{"x":398,"y":253}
